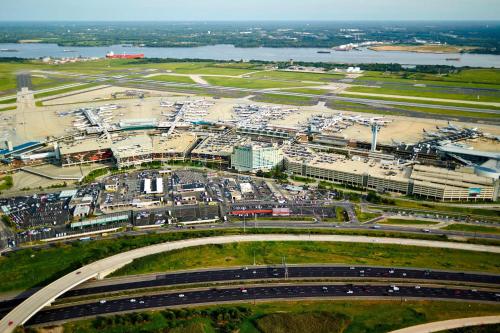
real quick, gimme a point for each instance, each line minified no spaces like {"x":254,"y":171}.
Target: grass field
{"x":172,"y":78}
{"x":296,"y":76}
{"x":6,"y":183}
{"x":266,"y":253}
{"x":309,"y":316}
{"x":65,"y":90}
{"x":470,"y":78}
{"x":252,"y":83}
{"x":318,"y":322}
{"x":424,"y":92}
{"x":284,"y":99}
{"x":309,"y":91}
{"x":472,"y":228}
{"x":407,"y":222}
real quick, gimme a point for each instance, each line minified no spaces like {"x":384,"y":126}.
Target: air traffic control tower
{"x":375,"y":129}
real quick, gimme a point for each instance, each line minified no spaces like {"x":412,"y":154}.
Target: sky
{"x":210,"y":10}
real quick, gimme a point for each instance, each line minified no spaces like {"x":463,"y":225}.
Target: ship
{"x":112,"y":55}
{"x":452,"y":59}
{"x":326,"y":52}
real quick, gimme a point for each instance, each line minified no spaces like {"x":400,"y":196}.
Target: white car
{"x":102,"y":301}
{"x":133,"y":300}
{"x":181,"y":295}
{"x":350,"y":292}
{"x":417,"y":287}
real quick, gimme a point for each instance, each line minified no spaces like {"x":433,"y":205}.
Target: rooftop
{"x":175,"y":143}
{"x":356,"y":165}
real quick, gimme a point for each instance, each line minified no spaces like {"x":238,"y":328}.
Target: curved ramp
{"x":439,"y":326}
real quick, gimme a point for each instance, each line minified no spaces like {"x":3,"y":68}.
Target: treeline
{"x":223,"y":319}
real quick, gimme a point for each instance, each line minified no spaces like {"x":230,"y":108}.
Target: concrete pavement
{"x":439,"y":326}
{"x":103,"y":267}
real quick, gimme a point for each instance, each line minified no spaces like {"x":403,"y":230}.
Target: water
{"x":229,"y":52}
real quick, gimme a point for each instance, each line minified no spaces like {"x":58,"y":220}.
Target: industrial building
{"x":253,"y":157}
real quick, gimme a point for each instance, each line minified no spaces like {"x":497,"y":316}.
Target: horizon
{"x":261,"y":10}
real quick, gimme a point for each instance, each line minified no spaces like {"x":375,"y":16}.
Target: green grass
{"x":309,"y":91}
{"x":359,"y":316}
{"x":318,"y":322}
{"x":65,"y":90}
{"x":407,"y":222}
{"x":252,"y":83}
{"x":6,"y":183}
{"x":296,"y":76}
{"x":373,"y":316}
{"x":470,"y":78}
{"x":433,"y":103}
{"x":472,"y":228}
{"x":172,"y":78}
{"x":8,"y":101}
{"x":267,"y":253}
{"x":284,"y":99}
{"x":8,"y":108}
{"x":424,"y":93}
{"x":364,"y":216}
{"x":447,"y":209}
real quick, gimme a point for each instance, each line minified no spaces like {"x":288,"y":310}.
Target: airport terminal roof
{"x":132,"y":146}
{"x":175,"y":143}
{"x":85,"y":145}
{"x":220,"y":144}
{"x":471,"y":152}
{"x":449,"y":177}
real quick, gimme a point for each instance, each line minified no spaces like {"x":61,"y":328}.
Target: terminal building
{"x":85,"y":151}
{"x":217,"y":148}
{"x":253,"y":157}
{"x":384,"y":175}
{"x":126,"y":151}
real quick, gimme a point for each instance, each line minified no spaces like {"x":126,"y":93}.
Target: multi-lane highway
{"x":271,"y":273}
{"x":290,"y":272}
{"x":250,"y":294}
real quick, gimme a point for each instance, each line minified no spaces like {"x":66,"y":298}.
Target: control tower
{"x":375,"y":129}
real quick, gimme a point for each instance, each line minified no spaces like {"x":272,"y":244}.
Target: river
{"x":229,"y":52}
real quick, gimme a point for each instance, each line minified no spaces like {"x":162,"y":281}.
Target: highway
{"x":250,"y":294}
{"x":268,"y":273}
{"x":99,"y":269}
{"x":292,"y":272}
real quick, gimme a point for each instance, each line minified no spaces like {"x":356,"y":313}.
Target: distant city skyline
{"x":233,"y":10}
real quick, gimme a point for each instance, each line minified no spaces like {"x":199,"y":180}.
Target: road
{"x":440,"y":326}
{"x":101,"y":268}
{"x":268,"y":273}
{"x":251,"y":294}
